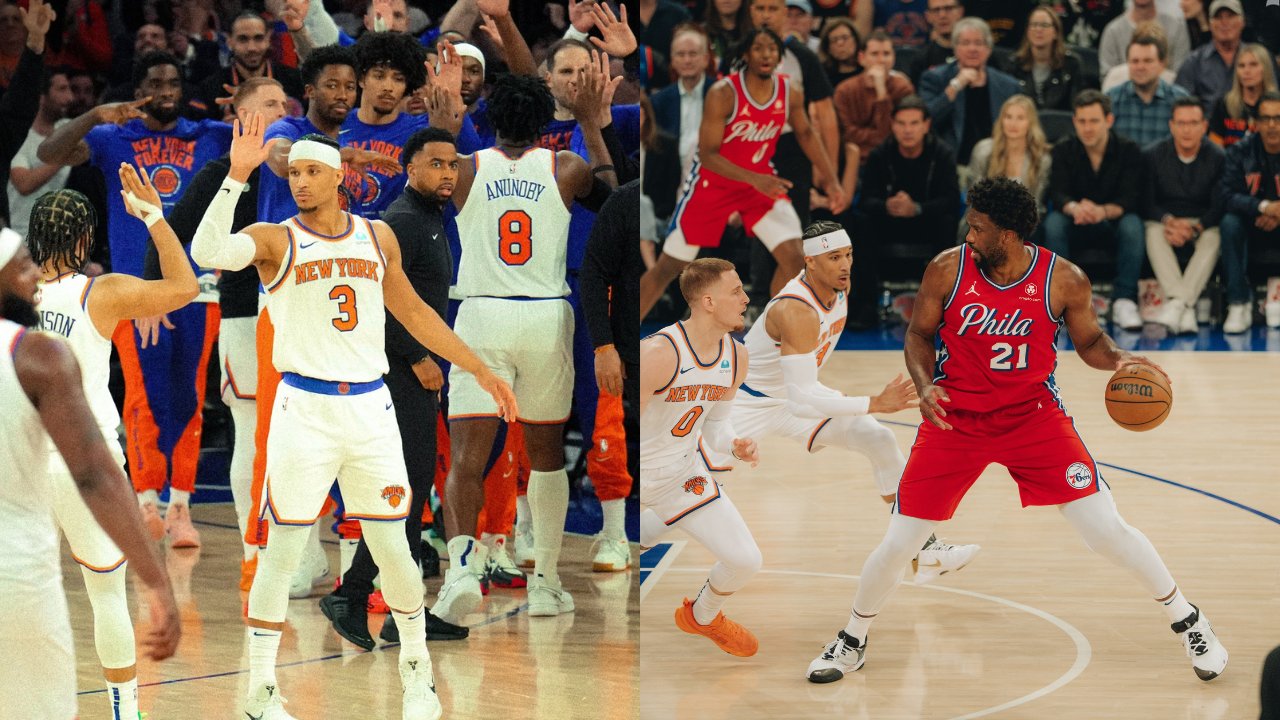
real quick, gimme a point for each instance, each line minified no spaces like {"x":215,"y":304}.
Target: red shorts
{"x":701,"y":216}
{"x":1036,"y":441}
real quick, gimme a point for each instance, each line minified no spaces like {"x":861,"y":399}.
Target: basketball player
{"x":513,"y":205}
{"x":693,"y":400}
{"x":44,"y":399}
{"x":998,"y":303}
{"x":733,"y":171}
{"x":328,"y":274}
{"x":782,"y":395}
{"x":86,"y":311}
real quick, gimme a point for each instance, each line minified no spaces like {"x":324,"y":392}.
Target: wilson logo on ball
{"x":1140,"y":389}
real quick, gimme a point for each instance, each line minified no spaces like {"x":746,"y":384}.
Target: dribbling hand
{"x":930,"y":408}
{"x":745,"y":449}
{"x":1125,"y":362}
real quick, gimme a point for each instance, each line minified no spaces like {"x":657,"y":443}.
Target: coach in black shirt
{"x":413,"y":378}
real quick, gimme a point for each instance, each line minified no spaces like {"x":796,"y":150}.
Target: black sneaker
{"x":437,"y":629}
{"x":350,"y":620}
{"x":430,"y":560}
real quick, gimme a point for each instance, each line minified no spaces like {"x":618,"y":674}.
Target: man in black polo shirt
{"x":1094,"y":186}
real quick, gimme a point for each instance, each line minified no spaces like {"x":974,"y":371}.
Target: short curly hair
{"x":520,"y":107}
{"x":394,"y":50}
{"x":1008,"y":203}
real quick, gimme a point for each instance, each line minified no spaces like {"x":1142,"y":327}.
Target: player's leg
{"x":39,"y":678}
{"x":238,"y":358}
{"x":195,"y":329}
{"x":778,"y":227}
{"x":501,"y":487}
{"x":268,"y":383}
{"x":471,"y":440}
{"x":148,"y":467}
{"x":607,"y":468}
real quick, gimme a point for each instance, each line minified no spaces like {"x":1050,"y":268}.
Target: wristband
{"x":602,"y":169}
{"x":955,"y":83}
{"x":1262,"y":206}
{"x":575,"y":33}
{"x":151,"y":214}
{"x":602,"y":348}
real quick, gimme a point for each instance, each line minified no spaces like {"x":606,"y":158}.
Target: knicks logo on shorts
{"x":1079,"y":476}
{"x":394,"y":495}
{"x":696,"y":485}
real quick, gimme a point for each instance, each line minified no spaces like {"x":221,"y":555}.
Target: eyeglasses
{"x":833,"y":38}
{"x":1269,"y":119}
{"x":944,"y":8}
{"x":1040,"y":25}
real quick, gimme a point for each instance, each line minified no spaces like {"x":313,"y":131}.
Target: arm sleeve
{"x":600,"y":267}
{"x":808,"y":398}
{"x":399,"y":342}
{"x":214,"y":246}
{"x":324,"y":31}
{"x":717,"y":431}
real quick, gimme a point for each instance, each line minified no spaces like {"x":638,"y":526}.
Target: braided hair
{"x":60,"y":221}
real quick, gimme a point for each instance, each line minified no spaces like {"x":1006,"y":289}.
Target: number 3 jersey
{"x":514,"y":228}
{"x":999,"y":342}
{"x":326,"y":304}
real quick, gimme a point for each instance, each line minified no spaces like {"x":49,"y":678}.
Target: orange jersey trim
{"x":351,"y":226}
{"x":96,"y":569}
{"x":544,"y":422}
{"x":674,"y":374}
{"x":696,"y":360}
{"x":695,"y":507}
{"x":288,"y":267}
{"x":815,"y":433}
{"x":702,"y":451}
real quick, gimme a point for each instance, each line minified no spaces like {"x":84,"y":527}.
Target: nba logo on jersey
{"x":1078,"y":476}
{"x":695,"y":485}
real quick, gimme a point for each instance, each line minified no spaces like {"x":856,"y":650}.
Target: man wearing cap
{"x":1207,"y":71}
{"x":800,"y":23}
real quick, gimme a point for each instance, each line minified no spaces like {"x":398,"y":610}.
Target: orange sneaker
{"x":728,"y":635}
{"x":151,"y":517}
{"x":377,"y":605}
{"x":248,"y":568}
{"x":177,"y":524}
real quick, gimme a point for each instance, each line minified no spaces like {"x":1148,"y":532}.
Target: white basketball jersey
{"x":29,"y":544}
{"x":671,"y":424}
{"x":764,"y":376}
{"x":64,"y":312}
{"x":326,"y":305}
{"x":514,"y":229}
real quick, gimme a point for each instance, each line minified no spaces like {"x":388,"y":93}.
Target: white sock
{"x":858,"y":626}
{"x":1177,"y":607}
{"x":490,"y":540}
{"x":615,"y":518}
{"x":123,"y":698}
{"x":179,"y":497}
{"x":314,"y":550}
{"x":708,"y":605}
{"x":250,"y":551}
{"x":549,"y":501}
{"x":413,"y":633}
{"x":524,"y":516}
{"x":264,"y":644}
{"x":149,"y":496}
{"x":462,"y":552}
{"x":347,"y":553}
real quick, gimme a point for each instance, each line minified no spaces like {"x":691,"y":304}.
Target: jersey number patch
{"x":346,"y":297}
{"x":685,"y":426}
{"x":515,"y":231}
{"x":1003,"y":352}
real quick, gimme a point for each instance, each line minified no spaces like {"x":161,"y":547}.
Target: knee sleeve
{"x":720,"y":529}
{"x":401,"y":579}
{"x":269,"y":598}
{"x":864,"y":435}
{"x":112,"y":628}
{"x":1104,"y":532}
{"x":651,"y":528}
{"x":884,"y":568}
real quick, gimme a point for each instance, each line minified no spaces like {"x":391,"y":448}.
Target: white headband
{"x":10,"y":241}
{"x":319,"y":152}
{"x":471,"y":51}
{"x":826,"y":243}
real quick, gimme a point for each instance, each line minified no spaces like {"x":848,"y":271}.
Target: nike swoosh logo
{"x":226,"y":190}
{"x":258,"y":634}
{"x":685,"y":370}
{"x":253,"y":717}
{"x":389,"y":406}
{"x":304,"y":247}
{"x":435,"y":236}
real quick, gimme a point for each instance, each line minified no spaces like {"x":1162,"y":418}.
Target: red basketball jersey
{"x":999,"y":342}
{"x":751,"y":135}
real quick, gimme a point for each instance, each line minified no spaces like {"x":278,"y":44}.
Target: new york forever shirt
{"x":171,"y":158}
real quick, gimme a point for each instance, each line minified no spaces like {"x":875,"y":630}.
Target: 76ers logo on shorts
{"x":394,"y":495}
{"x":1079,"y":476}
{"x":695,"y":485}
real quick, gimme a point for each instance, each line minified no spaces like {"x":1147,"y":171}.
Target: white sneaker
{"x":1208,"y":657}
{"x":939,"y":558}
{"x":1239,"y":318}
{"x":547,"y":600}
{"x":1272,"y":310}
{"x":1188,"y":326}
{"x":524,"y":548}
{"x":265,"y":703}
{"x":419,"y":682}
{"x":1171,"y":314}
{"x":614,"y":554}
{"x":842,"y":655}
{"x":312,"y":568}
{"x":1124,"y":312}
{"x":459,"y":595}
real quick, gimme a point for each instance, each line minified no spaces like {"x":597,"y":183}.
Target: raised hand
{"x":449,"y":76}
{"x":445,"y":109}
{"x":141,"y":199}
{"x":149,"y":329}
{"x":490,"y":28}
{"x":382,"y":15}
{"x":618,"y":41}
{"x":493,"y":8}
{"x":592,"y":102}
{"x":580,"y":16}
{"x":295,"y":13}
{"x":121,"y":112}
{"x":248,"y":151}
{"x":37,"y":18}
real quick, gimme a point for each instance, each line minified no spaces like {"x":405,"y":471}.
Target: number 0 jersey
{"x":326,"y":304}
{"x":671,"y":425}
{"x":764,"y":376}
{"x":999,"y":342}
{"x":514,"y":228}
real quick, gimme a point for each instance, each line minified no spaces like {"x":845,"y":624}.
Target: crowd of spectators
{"x":1145,"y":129}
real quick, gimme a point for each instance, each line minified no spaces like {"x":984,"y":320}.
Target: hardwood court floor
{"x":582,"y":665}
{"x":939,"y":654}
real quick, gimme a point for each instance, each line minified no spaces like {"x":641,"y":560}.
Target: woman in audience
{"x":1197,"y":22}
{"x":1235,"y":113}
{"x":725,"y":21}
{"x":839,"y":48}
{"x":659,"y":175}
{"x":1042,"y":65}
{"x":1017,"y":149}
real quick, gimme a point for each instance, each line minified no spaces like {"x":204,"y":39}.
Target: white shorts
{"x":38,"y":679}
{"x":528,"y":343}
{"x":680,"y":488}
{"x":238,"y":358}
{"x":321,"y":433}
{"x":90,"y":544}
{"x":775,"y":227}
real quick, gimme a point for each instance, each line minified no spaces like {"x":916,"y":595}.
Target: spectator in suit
{"x":1207,"y":71}
{"x":1236,"y":112}
{"x":1115,"y":38}
{"x":678,"y":107}
{"x":966,"y":95}
{"x":725,"y":21}
{"x":838,"y":50}
{"x":1047,"y":73}
{"x":1251,"y":201}
{"x":1181,"y":208}
{"x":1017,"y":149}
{"x":865,"y":102}
{"x":1143,"y":104}
{"x":1093,"y":186}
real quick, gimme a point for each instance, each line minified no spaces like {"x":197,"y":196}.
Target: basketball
{"x":1138,"y":398}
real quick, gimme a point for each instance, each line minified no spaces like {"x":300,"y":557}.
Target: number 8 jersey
{"x":514,"y":228}
{"x":326,"y":304}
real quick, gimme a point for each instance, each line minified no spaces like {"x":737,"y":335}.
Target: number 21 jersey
{"x":514,"y":228}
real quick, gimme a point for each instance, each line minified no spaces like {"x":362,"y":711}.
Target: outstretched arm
{"x":807,"y":136}
{"x":1071,"y":287}
{"x":509,"y":39}
{"x":66,"y":146}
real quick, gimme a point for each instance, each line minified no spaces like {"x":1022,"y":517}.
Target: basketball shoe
{"x":461,"y":593}
{"x":420,"y":701}
{"x":842,"y":655}
{"x":524,"y":548}
{"x":939,"y":558}
{"x":1208,"y":657}
{"x":614,"y":554}
{"x":312,"y":568}
{"x":728,"y":635}
{"x":265,"y":703}
{"x":151,"y":517}
{"x":499,"y":568}
{"x":547,"y":599}
{"x":437,"y":629}
{"x":177,"y":525}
